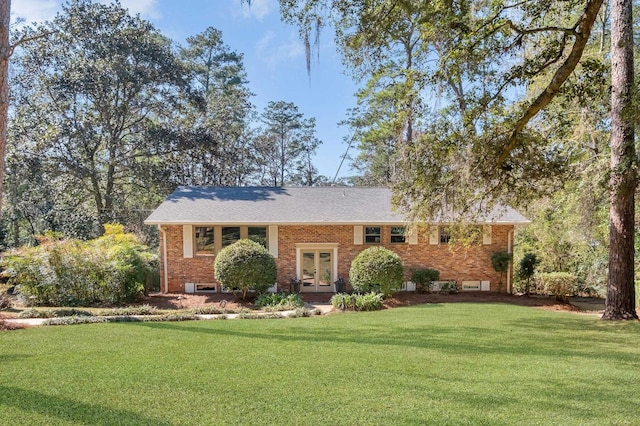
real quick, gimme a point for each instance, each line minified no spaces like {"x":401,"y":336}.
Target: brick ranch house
{"x":314,"y":233}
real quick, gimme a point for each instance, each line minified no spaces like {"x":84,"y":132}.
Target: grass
{"x":431,"y":364}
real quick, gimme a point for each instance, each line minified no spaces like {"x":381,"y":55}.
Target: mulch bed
{"x":177,"y":301}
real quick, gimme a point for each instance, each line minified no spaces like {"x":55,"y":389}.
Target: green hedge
{"x":112,"y":269}
{"x":559,"y":284}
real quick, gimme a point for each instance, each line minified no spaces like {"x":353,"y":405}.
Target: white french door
{"x":317,"y":269}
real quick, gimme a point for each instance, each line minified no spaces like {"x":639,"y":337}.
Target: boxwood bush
{"x":245,"y":265}
{"x":376,"y":269}
{"x":112,"y":269}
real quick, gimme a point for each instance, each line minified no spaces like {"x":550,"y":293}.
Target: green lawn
{"x":431,"y":364}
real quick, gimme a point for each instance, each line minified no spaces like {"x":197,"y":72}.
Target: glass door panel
{"x":325,"y":270}
{"x":309,"y":270}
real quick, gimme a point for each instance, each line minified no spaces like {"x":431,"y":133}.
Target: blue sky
{"x":273,"y":57}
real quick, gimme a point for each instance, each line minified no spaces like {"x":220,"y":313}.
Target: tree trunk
{"x":5,"y":53}
{"x":620,"y":303}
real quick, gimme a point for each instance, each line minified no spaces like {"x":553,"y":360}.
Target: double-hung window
{"x":372,"y":234}
{"x":397,"y":235}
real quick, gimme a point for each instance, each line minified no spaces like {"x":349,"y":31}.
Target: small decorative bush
{"x":450,"y":287}
{"x":527,"y":270}
{"x":424,"y":278}
{"x":358,"y":302}
{"x":560,"y":284}
{"x":376,"y":269}
{"x":500,"y":263}
{"x":279,"y":302}
{"x":245,"y":265}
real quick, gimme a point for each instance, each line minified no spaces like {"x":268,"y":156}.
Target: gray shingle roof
{"x":299,"y":205}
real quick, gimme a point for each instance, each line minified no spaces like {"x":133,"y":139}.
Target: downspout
{"x":164,"y":259}
{"x":510,"y":251}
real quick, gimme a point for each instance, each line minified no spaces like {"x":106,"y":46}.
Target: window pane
{"x":397,"y":234}
{"x":230,"y":234}
{"x":258,"y":234}
{"x":445,"y":237}
{"x":372,"y":234}
{"x":204,"y":240}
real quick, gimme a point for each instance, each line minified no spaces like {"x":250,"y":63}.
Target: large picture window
{"x":209,"y":240}
{"x":397,"y":235}
{"x":204,"y":240}
{"x":372,"y":234}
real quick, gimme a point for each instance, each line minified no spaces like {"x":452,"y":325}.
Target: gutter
{"x":164,"y":258}
{"x":510,"y":251}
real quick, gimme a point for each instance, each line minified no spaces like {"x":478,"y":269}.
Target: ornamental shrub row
{"x":112,"y":269}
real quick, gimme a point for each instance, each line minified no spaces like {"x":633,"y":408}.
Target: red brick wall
{"x":460,"y":263}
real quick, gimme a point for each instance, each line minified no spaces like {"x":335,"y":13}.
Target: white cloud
{"x":274,"y":53}
{"x":146,"y":8}
{"x":35,"y":10}
{"x":258,"y":8}
{"x":43,"y":10}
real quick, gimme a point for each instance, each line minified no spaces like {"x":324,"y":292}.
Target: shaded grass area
{"x":429,"y":364}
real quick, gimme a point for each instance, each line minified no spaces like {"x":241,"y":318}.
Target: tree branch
{"x":24,"y":39}
{"x":582,"y":33}
{"x":524,"y":31}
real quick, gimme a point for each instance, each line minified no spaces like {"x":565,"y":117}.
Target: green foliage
{"x":450,"y":287}
{"x":279,"y":302}
{"x":73,"y":320}
{"x":52,"y":313}
{"x":358,"y":302}
{"x":527,"y":269}
{"x":210,"y":310}
{"x":245,"y":265}
{"x":113,"y":79}
{"x":569,"y":231}
{"x":376,"y":269}
{"x":286,"y":146}
{"x":500,"y":263}
{"x":111,"y":269}
{"x":424,"y":278}
{"x":559,"y":284}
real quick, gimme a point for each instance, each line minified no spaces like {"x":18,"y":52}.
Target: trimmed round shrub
{"x":378,"y":270}
{"x":245,"y":265}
